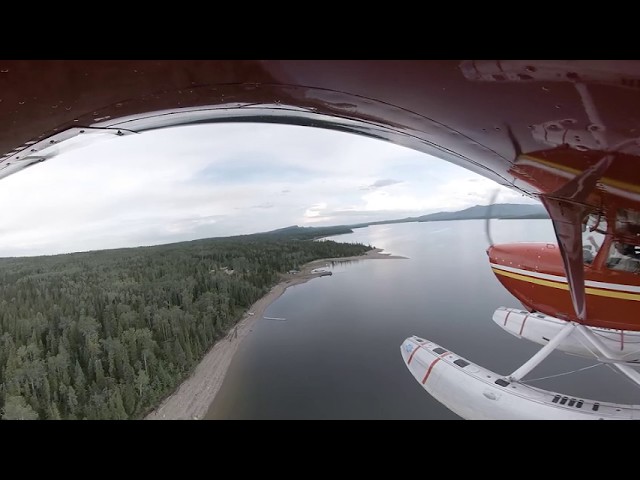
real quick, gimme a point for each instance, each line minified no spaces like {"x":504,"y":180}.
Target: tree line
{"x":109,"y":334}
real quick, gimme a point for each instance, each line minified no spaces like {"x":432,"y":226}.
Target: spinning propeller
{"x":517,"y":151}
{"x":487,"y":220}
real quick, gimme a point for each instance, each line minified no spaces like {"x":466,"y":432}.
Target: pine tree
{"x":16,"y":408}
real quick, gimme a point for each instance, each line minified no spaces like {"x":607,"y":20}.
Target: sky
{"x":202,"y":181}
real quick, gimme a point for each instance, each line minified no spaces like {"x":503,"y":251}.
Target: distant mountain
{"x":500,"y":210}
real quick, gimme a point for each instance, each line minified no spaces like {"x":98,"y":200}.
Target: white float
{"x":540,"y":328}
{"x":473,"y":392}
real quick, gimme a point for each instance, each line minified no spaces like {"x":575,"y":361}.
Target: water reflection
{"x":337,"y":356}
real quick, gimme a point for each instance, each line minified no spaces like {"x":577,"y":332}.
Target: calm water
{"x":337,"y":355}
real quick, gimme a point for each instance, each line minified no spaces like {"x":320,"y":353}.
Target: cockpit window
{"x":594,"y":229}
{"x":624,"y":257}
{"x":628,"y":222}
{"x":624,"y":254}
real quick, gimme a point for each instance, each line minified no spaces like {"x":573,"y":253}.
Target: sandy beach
{"x":194,"y":396}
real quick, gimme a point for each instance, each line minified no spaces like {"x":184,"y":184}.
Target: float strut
{"x":605,"y":351}
{"x":543,"y":353}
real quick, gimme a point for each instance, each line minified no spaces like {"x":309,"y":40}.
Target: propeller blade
{"x":487,"y":229}
{"x":567,"y":210}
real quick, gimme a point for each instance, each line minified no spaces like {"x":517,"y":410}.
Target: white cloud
{"x":385,"y":182}
{"x":314,"y":210}
{"x":218,"y":180}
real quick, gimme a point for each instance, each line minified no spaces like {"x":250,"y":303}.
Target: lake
{"x":337,"y":353}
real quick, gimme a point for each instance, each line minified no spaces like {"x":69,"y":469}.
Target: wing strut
{"x":567,"y":209}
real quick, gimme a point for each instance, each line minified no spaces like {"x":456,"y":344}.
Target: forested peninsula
{"x":109,"y":334}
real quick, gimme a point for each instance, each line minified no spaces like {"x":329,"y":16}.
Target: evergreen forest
{"x":109,"y":334}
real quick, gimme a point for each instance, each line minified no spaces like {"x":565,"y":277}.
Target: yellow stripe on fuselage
{"x":563,"y":286}
{"x":630,"y":187}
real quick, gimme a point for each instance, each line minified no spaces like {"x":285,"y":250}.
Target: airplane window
{"x":594,"y":229}
{"x":624,"y":257}
{"x":628,"y":221}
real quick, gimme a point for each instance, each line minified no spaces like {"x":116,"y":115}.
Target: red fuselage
{"x":534,"y":274}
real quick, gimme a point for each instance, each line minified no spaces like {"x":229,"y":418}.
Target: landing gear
{"x":543,"y":353}
{"x":474,"y":392}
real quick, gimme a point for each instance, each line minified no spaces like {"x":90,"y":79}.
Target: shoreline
{"x":194,"y":396}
